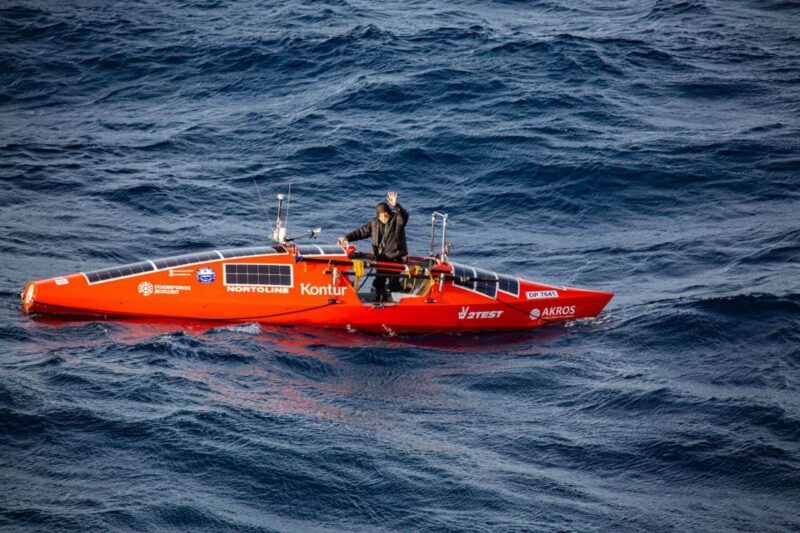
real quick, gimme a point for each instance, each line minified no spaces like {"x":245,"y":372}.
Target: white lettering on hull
{"x":255,"y":289}
{"x":170,"y":289}
{"x":535,"y":295}
{"x":306,"y":289}
{"x":146,"y":288}
{"x":559,"y":311}
{"x":466,"y":314}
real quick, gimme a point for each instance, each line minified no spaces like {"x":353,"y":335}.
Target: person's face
{"x":384,"y":217}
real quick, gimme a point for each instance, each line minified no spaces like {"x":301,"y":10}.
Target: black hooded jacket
{"x":393,"y":234}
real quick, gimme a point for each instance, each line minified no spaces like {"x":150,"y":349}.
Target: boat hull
{"x":302,"y":292}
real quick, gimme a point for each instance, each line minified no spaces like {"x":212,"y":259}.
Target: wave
{"x":677,"y":8}
{"x":647,"y":149}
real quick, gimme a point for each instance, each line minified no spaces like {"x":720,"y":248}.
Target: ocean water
{"x":648,"y":148}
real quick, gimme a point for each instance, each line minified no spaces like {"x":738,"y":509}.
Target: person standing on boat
{"x":388,"y":232}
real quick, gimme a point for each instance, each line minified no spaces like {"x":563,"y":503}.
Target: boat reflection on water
{"x":325,"y":374}
{"x":302,"y":340}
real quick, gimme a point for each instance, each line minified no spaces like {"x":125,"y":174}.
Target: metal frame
{"x":443,"y":216}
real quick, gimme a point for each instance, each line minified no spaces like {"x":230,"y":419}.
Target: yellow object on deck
{"x":358,"y":269}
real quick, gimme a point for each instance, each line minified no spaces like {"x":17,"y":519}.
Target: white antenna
{"x":288,"y":201}
{"x":279,"y":234}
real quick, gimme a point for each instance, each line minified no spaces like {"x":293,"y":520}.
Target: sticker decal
{"x":558,"y":311}
{"x":466,"y":314}
{"x":206,"y":275}
{"x":260,"y":289}
{"x":312,"y":290}
{"x":62,"y":281}
{"x":171,"y":289}
{"x":145,"y":288}
{"x":537,"y":295}
{"x":174,"y":273}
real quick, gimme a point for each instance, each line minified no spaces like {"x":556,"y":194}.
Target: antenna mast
{"x":288,"y":203}
{"x":263,"y":205}
{"x":279,"y":234}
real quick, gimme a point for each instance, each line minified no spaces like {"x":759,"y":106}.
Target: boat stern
{"x":52,"y":295}
{"x":28,"y":297}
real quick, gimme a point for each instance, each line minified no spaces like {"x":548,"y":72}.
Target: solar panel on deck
{"x":489,"y":288}
{"x":258,"y":274}
{"x":463,"y":271}
{"x":180,"y":260}
{"x":250,"y":251}
{"x":118,"y":272}
{"x":508,"y":284}
{"x":485,"y":283}
{"x":309,"y":249}
{"x":332,"y":249}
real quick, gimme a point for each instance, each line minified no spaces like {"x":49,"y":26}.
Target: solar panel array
{"x":106,"y":274}
{"x":485,"y":283}
{"x":508,"y":284}
{"x":489,"y":288}
{"x":313,"y":249}
{"x":462,"y":271}
{"x":332,"y":249}
{"x":232,"y":253}
{"x":119,"y":272}
{"x":258,"y":274}
{"x":180,"y":260}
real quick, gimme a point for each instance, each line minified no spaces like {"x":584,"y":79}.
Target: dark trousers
{"x":380,"y":281}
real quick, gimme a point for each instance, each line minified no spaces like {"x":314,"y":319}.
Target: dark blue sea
{"x":647,"y":148}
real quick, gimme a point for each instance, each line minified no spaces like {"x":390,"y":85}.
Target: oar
{"x":436,"y":277}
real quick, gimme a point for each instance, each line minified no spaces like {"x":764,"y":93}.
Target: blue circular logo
{"x":206,"y":275}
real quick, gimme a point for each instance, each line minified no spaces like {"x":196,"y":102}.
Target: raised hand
{"x":392,"y":198}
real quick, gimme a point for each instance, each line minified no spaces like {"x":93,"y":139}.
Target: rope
{"x":524,"y":312}
{"x":414,"y":284}
{"x":407,"y":276}
{"x":276,"y":314}
{"x":358,"y":269}
{"x":431,"y":283}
